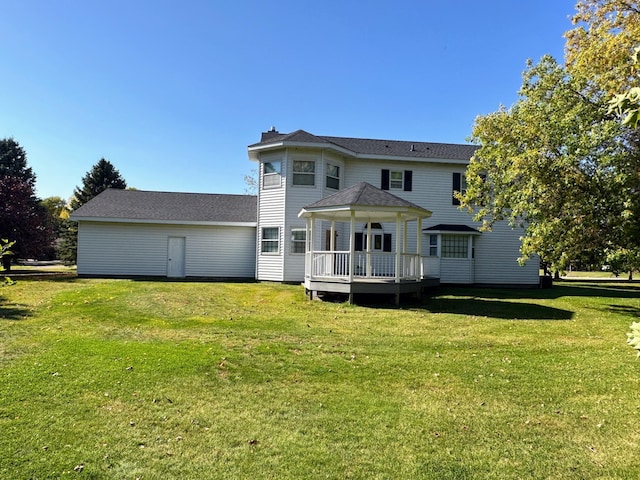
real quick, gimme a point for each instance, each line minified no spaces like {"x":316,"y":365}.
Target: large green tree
{"x":23,"y":220}
{"x":102,"y":175}
{"x":556,"y":162}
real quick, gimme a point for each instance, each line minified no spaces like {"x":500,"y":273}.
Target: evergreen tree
{"x":13,"y":162}
{"x":102,"y":175}
{"x":23,"y":220}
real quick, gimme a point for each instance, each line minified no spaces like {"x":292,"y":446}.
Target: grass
{"x":150,"y":380}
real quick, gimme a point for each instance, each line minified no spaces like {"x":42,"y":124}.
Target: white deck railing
{"x":373,"y":265}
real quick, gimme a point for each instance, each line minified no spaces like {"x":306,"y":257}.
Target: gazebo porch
{"x":363,"y":268}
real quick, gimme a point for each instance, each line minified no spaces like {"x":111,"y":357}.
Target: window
{"x":304,"y":172}
{"x":270,"y":240}
{"x":455,"y":246}
{"x":459,"y":185}
{"x":397,"y":180}
{"x":271,"y":173}
{"x":298,"y":240}
{"x":381,"y":242}
{"x":333,"y":176}
{"x":433,"y":245}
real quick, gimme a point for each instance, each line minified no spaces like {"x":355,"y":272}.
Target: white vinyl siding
{"x":132,"y":249}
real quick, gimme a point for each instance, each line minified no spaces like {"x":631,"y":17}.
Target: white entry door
{"x":175,"y":257}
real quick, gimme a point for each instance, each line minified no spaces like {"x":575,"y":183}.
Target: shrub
{"x":633,"y":338}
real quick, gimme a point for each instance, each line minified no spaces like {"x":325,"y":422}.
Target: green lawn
{"x":157,"y":380}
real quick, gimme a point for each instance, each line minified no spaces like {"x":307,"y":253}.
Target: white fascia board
{"x":278,"y":145}
{"x":362,"y":211}
{"x":164,"y":222}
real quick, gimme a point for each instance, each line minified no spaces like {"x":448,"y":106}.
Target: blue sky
{"x":173,"y":92}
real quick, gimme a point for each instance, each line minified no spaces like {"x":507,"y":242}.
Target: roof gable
{"x":139,"y":205}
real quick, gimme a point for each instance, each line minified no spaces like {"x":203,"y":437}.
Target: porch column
{"x":310,"y":246}
{"x":332,"y":248}
{"x":405,"y":225}
{"x":419,"y":247}
{"x":352,"y":247}
{"x":369,"y":242}
{"x":398,"y":248}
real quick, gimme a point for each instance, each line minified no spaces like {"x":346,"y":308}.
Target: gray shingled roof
{"x":445,"y":227}
{"x":363,"y":194}
{"x":169,"y":207}
{"x":364,"y":146}
{"x":364,"y":201}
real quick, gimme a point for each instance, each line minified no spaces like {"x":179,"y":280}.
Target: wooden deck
{"x":373,"y":273}
{"x":369,"y":286}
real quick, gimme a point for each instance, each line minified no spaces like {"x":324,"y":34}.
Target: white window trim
{"x":272,"y":240}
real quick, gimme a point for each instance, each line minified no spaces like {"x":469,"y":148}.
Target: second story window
{"x":459,"y":185}
{"x":396,"y":179}
{"x":333,"y":176}
{"x":271,"y":173}
{"x":304,"y":172}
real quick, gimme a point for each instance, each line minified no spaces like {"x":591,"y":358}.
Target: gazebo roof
{"x":367,"y":203}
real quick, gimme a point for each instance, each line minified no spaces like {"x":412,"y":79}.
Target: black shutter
{"x":358,"y":247}
{"x":408,"y":180}
{"x":386,"y":242}
{"x":384,"y":180}
{"x":457,"y":183}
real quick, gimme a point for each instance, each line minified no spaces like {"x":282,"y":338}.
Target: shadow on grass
{"x":496,"y":309}
{"x":633,"y":312}
{"x":12,"y":312}
{"x":557,"y":291}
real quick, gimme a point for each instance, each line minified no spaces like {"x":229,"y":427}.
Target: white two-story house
{"x":304,"y":176}
{"x":338,"y":214}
